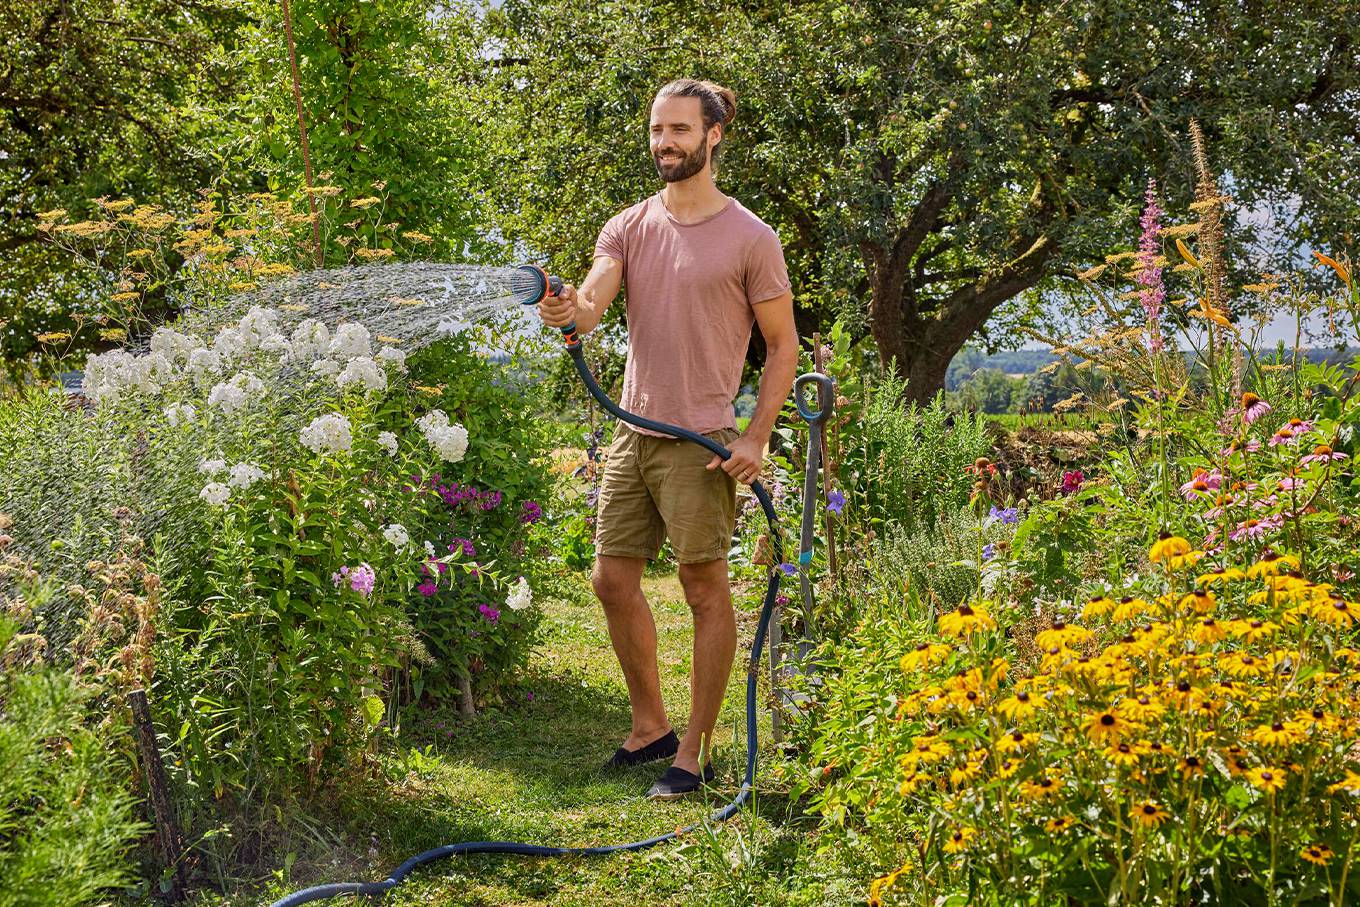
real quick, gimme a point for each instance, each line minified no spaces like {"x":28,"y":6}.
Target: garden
{"x":297,"y":504}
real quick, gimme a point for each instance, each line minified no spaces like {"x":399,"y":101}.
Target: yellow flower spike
{"x":1335,"y":265}
{"x":1190,"y":259}
{"x":1167,"y":546}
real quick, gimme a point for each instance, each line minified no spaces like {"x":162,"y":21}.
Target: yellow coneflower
{"x":1349,"y":784}
{"x":1125,"y":754}
{"x":1191,"y":767}
{"x":1200,"y":601}
{"x":1059,"y":824}
{"x":923,"y":656}
{"x":1272,"y":564}
{"x":1166,"y":546}
{"x":1318,"y":718}
{"x":1041,"y":787}
{"x":1317,"y":854}
{"x":1254,"y":630}
{"x":959,"y":839}
{"x":1241,"y":664}
{"x":1267,"y":778}
{"x":966,"y":619}
{"x":1017,"y":707}
{"x":1141,"y":709}
{"x":910,"y":782}
{"x":1097,"y":606}
{"x":1149,"y":814}
{"x":1106,"y":728}
{"x":924,"y":751}
{"x":1279,"y":733}
{"x":1016,"y":740}
{"x":1062,"y":635}
{"x":1208,"y":631}
{"x":1007,"y":768}
{"x":1336,"y":612}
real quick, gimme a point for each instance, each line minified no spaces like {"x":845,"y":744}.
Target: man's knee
{"x":706,"y":586}
{"x":615,"y":583}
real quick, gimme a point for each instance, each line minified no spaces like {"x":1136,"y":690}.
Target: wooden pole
{"x":168,"y":839}
{"x":302,"y":129}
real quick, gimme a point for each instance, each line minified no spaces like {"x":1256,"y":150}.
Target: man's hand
{"x":748,"y":456}
{"x":560,"y":310}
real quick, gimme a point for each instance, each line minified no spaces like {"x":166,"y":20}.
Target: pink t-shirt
{"x":690,"y":289}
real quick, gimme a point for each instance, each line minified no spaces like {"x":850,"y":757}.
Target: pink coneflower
{"x":1253,"y":407}
{"x":1254,"y":528}
{"x":1343,"y":575}
{"x":1202,"y":485}
{"x":1298,"y":426}
{"x":1322,"y":454}
{"x":1284,"y":436}
{"x":1251,"y":445}
{"x":1153,"y":293}
{"x":1265,"y":503}
{"x":1291,"y":484}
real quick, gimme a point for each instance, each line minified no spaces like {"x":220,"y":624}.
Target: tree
{"x":926,"y":162}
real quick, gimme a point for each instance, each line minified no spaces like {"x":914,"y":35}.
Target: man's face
{"x":679,"y":142}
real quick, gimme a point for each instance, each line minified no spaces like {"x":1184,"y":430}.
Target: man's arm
{"x":775,"y":318}
{"x":585,"y":306}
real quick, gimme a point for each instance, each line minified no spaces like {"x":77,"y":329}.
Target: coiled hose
{"x":395,"y":878}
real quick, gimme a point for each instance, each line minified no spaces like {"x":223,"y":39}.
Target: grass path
{"x":528,"y":771}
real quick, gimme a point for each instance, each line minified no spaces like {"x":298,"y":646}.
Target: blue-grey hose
{"x":322,"y":892}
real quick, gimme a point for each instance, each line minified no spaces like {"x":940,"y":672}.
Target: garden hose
{"x":537,"y":286}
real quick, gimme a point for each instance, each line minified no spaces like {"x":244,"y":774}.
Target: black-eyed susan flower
{"x":959,"y":839}
{"x":1208,"y":631}
{"x":1220,"y":576}
{"x":1272,"y":564}
{"x":1106,"y":727}
{"x":1191,"y":766}
{"x":925,"y":750}
{"x":1168,"y":545}
{"x":1015,"y":741}
{"x":1267,"y":778}
{"x":883,"y":883}
{"x":1349,"y":784}
{"x":1046,"y":785}
{"x":1141,"y":709}
{"x":1018,"y":707}
{"x":1059,"y":824}
{"x":966,"y":620}
{"x":1125,"y":755}
{"x":1255,"y":630}
{"x":1149,"y":814}
{"x":1097,"y":606}
{"x":1336,"y":612}
{"x":1317,"y":854}
{"x":911,"y":782}
{"x":1200,"y":601}
{"x":1062,"y":635}
{"x":1279,"y":733}
{"x":923,"y":656}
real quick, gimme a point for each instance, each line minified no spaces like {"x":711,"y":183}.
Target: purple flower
{"x":1322,"y":454}
{"x":490,"y":613}
{"x":490,"y":501}
{"x":464,"y":545}
{"x":788,"y":569}
{"x":532,"y":513}
{"x":781,"y":600}
{"x":988,"y":551}
{"x":1008,"y":515}
{"x":1153,"y":293}
{"x":835,"y":501}
{"x":427,"y":588}
{"x":360,"y":578}
{"x":529,"y":696}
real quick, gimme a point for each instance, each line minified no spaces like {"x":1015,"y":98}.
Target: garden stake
{"x":532,"y":285}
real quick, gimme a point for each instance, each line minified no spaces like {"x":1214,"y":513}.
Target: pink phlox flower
{"x":491,"y":614}
{"x":463,"y":545}
{"x":361,"y":578}
{"x":427,"y":588}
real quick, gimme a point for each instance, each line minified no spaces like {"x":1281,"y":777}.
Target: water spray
{"x":529,"y":285}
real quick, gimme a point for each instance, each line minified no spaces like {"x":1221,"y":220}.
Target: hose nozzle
{"x":531,"y":285}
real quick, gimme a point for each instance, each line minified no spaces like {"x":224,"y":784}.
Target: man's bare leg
{"x":715,"y":646}
{"x":618,"y":585}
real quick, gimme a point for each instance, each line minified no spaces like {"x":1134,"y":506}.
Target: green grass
{"x":527,"y":770}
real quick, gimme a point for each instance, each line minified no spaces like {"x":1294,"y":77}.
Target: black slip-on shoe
{"x":661,"y":748}
{"x":677,"y":782}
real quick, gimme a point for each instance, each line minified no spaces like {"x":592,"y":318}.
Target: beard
{"x":687,"y":166}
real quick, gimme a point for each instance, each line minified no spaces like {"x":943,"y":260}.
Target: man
{"x":700,"y":270}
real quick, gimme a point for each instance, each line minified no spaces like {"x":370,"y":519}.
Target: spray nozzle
{"x":531,"y":285}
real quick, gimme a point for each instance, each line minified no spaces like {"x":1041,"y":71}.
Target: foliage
{"x":66,"y":816}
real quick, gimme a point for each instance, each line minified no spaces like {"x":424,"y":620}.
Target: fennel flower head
{"x":328,"y":434}
{"x":450,"y":441}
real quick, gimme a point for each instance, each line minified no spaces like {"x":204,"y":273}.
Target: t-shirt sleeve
{"x":766,"y":274}
{"x":610,"y":241}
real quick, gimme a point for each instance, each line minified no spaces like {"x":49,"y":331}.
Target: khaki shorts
{"x":654,"y":488}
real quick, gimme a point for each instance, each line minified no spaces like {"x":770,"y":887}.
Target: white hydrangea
{"x":351,"y":339}
{"x":230,"y":344}
{"x":176,"y":413}
{"x":212,"y":467}
{"x":171,"y":344}
{"x":327,"y":368}
{"x":394,"y":356}
{"x":396,"y":534}
{"x":243,"y":475}
{"x":204,"y":362}
{"x":363,"y":370}
{"x":388,"y":442}
{"x":450,"y":441}
{"x":521,"y":596}
{"x":327,"y":434}
{"x":310,"y":338}
{"x":258,"y":325}
{"x":429,"y":549}
{"x":215,"y":493}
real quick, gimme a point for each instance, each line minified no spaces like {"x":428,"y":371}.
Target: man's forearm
{"x":781,"y":367}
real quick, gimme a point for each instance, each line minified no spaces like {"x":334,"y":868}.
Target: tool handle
{"x":555,"y":285}
{"x":826,"y":396}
